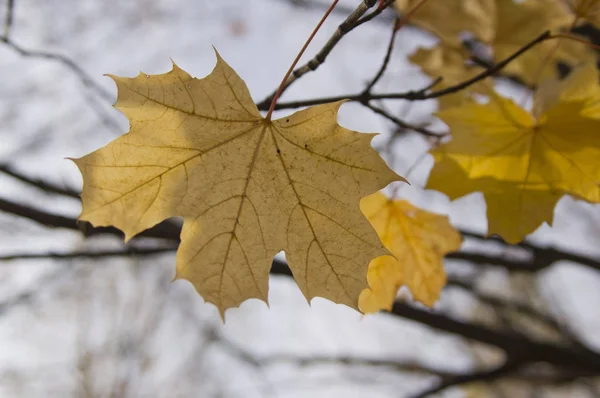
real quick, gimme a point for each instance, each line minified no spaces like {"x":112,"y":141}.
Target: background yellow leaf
{"x":449,"y":18}
{"x":520,"y":22}
{"x":523,"y":164}
{"x":246,"y":187}
{"x":385,"y":277}
{"x":505,"y":26}
{"x":450,"y":63}
{"x":419,"y":240}
{"x":588,"y":10}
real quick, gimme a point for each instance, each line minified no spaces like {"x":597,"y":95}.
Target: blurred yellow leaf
{"x":451,"y":64}
{"x":519,"y":23}
{"x":449,"y":18}
{"x":385,"y":277}
{"x":588,"y":10}
{"x":419,"y":240}
{"x":245,"y":186}
{"x":505,"y":26}
{"x":523,"y":162}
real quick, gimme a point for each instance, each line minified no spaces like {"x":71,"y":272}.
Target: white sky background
{"x":97,"y":309}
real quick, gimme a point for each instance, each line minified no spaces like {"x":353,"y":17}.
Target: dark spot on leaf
{"x":278,"y":151}
{"x":287,"y":120}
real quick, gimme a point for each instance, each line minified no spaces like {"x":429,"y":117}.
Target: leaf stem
{"x":575,"y":38}
{"x":291,"y":69}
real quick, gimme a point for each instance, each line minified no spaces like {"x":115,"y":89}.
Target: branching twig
{"x":423,"y":94}
{"x":348,"y":25}
{"x":386,"y":58}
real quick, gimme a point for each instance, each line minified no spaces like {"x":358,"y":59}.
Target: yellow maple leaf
{"x":449,"y":18}
{"x":246,"y":187}
{"x":517,"y":23}
{"x":419,"y":240}
{"x":504,"y":25}
{"x":523,"y":162}
{"x":450,"y":63}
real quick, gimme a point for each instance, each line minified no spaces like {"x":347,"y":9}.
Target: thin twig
{"x":300,"y":53}
{"x":401,"y":123}
{"x":386,"y":59}
{"x":164,"y":230}
{"x":321,"y":56}
{"x":67,"y":62}
{"x":8,"y":20}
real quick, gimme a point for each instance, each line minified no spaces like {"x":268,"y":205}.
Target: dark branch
{"x":541,"y":258}
{"x":38,"y":183}
{"x":402,"y":366}
{"x":164,"y":230}
{"x":128,"y":252}
{"x":516,"y":346}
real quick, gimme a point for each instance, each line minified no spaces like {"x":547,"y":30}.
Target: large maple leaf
{"x":524,"y":162}
{"x":246,"y":187}
{"x":419,"y":240}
